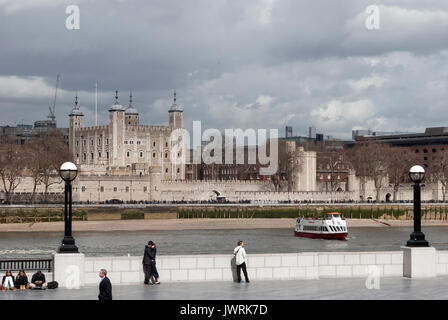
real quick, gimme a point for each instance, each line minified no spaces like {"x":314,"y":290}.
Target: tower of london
{"x":125,"y":147}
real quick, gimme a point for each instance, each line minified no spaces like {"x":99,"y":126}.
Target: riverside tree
{"x":12,"y":166}
{"x":399,"y":161}
{"x":370,"y":161}
{"x":45,"y":153}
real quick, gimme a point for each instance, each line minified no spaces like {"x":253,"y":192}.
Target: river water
{"x":122,"y":243}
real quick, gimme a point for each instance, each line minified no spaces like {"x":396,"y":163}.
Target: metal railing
{"x":43,"y":264}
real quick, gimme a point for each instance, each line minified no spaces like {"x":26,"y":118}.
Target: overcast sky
{"x":235,"y":64}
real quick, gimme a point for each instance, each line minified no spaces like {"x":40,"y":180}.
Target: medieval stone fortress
{"x":127,"y":161}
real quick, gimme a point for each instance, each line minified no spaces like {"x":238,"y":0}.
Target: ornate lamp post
{"x":417,"y":239}
{"x":68,"y":173}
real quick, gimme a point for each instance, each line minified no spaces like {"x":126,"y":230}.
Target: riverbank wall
{"x":261,"y":267}
{"x":35,"y":214}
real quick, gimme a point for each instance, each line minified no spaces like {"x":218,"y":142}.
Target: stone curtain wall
{"x":295,"y":266}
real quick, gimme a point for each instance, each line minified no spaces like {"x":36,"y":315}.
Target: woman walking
{"x":152,"y":256}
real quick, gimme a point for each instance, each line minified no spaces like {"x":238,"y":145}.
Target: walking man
{"x":240,"y":257}
{"x":105,"y":286}
{"x":147,"y":261}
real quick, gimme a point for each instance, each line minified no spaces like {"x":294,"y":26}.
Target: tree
{"x":399,"y":161}
{"x":439,"y":171}
{"x":53,"y":153}
{"x":44,"y":155}
{"x":12,"y":165}
{"x":370,"y":161}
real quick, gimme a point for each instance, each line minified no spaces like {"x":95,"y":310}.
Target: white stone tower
{"x":116,"y":133}
{"x":76,"y":118}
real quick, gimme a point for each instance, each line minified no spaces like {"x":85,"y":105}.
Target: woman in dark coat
{"x":152,"y":255}
{"x":21,"y":280}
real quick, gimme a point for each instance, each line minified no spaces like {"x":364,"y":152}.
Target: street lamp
{"x":417,"y":239}
{"x":68,"y":173}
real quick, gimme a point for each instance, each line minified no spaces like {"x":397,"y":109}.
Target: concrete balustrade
{"x":291,"y":266}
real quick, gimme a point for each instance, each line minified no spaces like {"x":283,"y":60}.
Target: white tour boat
{"x":330,"y":227}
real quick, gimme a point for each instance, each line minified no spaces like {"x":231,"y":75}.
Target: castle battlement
{"x":216,"y":182}
{"x":84,"y":129}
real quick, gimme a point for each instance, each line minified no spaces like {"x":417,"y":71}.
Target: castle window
{"x":84,"y":157}
{"x":83,"y":189}
{"x":107,"y":141}
{"x":102,"y":189}
{"x":166,"y":144}
{"x":141,"y":154}
{"x":99,"y":142}
{"x":145,"y":189}
{"x":125,"y":142}
{"x":77,"y":142}
{"x":83,"y":142}
{"x":178,"y":170}
{"x":107,"y":155}
{"x":127,"y":154}
{"x":166,"y":170}
{"x":115,"y":189}
{"x":91,"y":156}
{"x":166,"y":155}
{"x":127,"y":189}
{"x":153,"y":154}
{"x":99,"y":154}
{"x":153,"y":144}
{"x":91,"y":142}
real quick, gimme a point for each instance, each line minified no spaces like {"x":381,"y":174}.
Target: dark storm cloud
{"x":254,"y":63}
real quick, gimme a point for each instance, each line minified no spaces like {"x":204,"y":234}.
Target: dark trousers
{"x":238,"y":271}
{"x":154,"y":270}
{"x":147,"y":271}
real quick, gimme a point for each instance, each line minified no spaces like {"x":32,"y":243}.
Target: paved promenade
{"x":344,"y":289}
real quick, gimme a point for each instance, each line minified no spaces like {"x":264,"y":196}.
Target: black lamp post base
{"x":68,"y":246}
{"x":417,"y":240}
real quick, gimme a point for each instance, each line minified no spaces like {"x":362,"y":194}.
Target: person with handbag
{"x":240,"y":260}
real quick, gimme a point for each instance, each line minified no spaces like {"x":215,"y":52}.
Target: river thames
{"x":184,"y":242}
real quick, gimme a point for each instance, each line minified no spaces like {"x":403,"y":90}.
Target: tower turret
{"x":175,"y":115}
{"x":76,"y":118}
{"x":131,"y":114}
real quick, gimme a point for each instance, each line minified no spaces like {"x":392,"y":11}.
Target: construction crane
{"x":52,"y":110}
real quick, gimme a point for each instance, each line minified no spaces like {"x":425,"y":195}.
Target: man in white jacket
{"x":240,"y":259}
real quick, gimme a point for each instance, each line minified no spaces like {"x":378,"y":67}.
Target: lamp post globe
{"x":417,"y":174}
{"x":417,"y":238}
{"x":68,"y":172}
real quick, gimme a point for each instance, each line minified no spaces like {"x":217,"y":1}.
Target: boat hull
{"x":335,"y":236}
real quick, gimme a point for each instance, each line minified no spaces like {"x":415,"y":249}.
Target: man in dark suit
{"x":147,"y":264}
{"x":105,"y":286}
